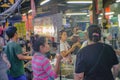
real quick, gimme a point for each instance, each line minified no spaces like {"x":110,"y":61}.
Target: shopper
{"x":86,"y":42}
{"x":15,"y":55}
{"x":2,"y":43}
{"x":4,"y":65}
{"x":94,"y":62}
{"x":42,"y":70}
{"x":74,"y":40}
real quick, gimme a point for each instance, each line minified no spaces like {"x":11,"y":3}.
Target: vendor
{"x":65,"y":48}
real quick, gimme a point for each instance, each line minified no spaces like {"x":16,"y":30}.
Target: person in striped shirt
{"x":42,"y":69}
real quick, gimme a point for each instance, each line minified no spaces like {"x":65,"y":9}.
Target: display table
{"x":67,"y":70}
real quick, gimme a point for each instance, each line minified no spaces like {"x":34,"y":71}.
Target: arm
{"x":6,"y":60}
{"x":117,"y":52}
{"x":57,"y":66}
{"x":80,"y":66}
{"x":19,"y":53}
{"x":25,"y":53}
{"x":48,"y":68}
{"x":65,"y":53}
{"x":115,"y":70}
{"x":22,"y":57}
{"x":79,"y":76}
{"x":115,"y":62}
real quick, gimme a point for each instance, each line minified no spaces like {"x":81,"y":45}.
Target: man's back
{"x":88,"y":57}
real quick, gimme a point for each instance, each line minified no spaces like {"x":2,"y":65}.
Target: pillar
{"x":95,"y":15}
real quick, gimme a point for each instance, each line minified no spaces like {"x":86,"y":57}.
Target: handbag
{"x":97,"y":62}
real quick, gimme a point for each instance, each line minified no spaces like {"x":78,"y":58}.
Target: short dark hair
{"x":40,"y":41}
{"x":94,"y":33}
{"x":10,"y":31}
{"x":61,"y":32}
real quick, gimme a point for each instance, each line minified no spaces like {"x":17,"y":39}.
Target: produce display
{"x":67,"y":70}
{"x":21,"y":29}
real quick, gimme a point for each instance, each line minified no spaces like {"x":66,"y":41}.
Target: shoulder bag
{"x":97,"y":62}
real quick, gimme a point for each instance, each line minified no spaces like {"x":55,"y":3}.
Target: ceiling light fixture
{"x":117,"y":1}
{"x":88,"y":15}
{"x":44,"y":2}
{"x":100,"y":18}
{"x":24,"y":14}
{"x":76,"y":13}
{"x":78,"y":2}
{"x":29,"y":11}
{"x":108,"y":13}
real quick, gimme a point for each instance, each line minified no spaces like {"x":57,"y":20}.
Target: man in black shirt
{"x":94,"y":62}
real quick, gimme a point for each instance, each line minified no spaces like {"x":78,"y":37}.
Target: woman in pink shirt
{"x":42,"y":70}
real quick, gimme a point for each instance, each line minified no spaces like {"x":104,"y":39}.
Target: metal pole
{"x":95,"y":16}
{"x":60,"y":72}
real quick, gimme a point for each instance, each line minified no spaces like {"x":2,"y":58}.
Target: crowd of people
{"x":94,"y":60}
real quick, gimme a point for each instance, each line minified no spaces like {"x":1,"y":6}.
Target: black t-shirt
{"x":87,"y":58}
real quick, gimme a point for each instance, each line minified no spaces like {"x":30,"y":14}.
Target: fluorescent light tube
{"x":78,"y":2}
{"x":44,"y":2}
{"x":24,"y":14}
{"x":29,"y":11}
{"x":88,"y":15}
{"x":100,"y":18}
{"x":118,"y":1}
{"x":76,"y":13}
{"x":108,"y":13}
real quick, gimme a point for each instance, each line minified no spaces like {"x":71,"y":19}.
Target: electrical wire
{"x":11,"y":10}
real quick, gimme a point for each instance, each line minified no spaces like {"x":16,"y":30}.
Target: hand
{"x":25,"y":53}
{"x":58,"y":57}
{"x":76,"y":44}
{"x":9,"y":65}
{"x":69,"y":59}
{"x":79,"y":76}
{"x":63,"y":54}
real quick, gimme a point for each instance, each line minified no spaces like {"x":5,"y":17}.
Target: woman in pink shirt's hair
{"x":42,"y":69}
